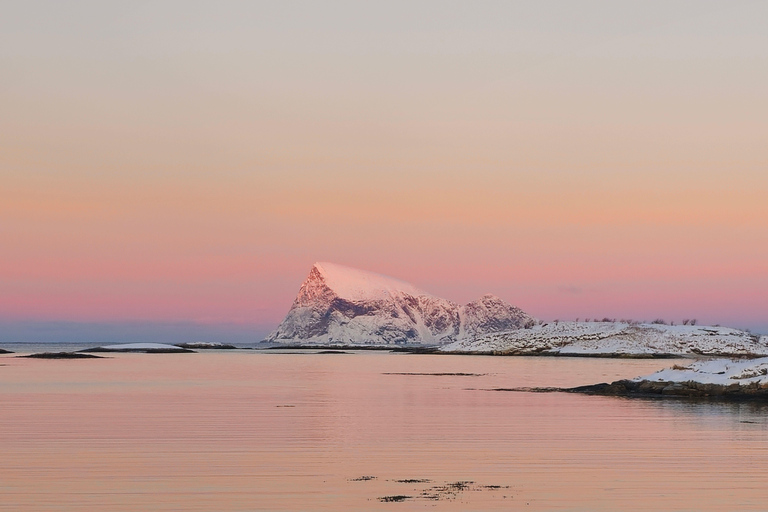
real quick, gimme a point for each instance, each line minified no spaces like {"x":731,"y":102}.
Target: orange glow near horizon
{"x":604,"y":162}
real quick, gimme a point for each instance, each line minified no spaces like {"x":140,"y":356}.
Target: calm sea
{"x":268,"y":431}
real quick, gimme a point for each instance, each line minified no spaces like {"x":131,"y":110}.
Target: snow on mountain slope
{"x":616,"y":338}
{"x":357,"y":285}
{"x":342,"y":305}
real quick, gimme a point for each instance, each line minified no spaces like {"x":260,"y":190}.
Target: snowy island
{"x":338,"y":305}
{"x":341,"y":306}
{"x":745,"y":379}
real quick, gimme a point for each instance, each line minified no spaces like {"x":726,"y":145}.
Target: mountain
{"x":616,"y":339}
{"x":342,"y":305}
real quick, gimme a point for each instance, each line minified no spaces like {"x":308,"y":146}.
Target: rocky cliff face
{"x":337,"y":304}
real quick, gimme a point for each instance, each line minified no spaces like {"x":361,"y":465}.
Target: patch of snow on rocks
{"x":718,"y":371}
{"x":616,"y":338}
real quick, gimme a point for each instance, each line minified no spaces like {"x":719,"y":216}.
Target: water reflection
{"x":754,"y":413}
{"x":251,"y":431}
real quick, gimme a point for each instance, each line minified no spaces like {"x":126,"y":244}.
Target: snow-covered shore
{"x":729,"y":379}
{"x":724,"y":372}
{"x":616,"y":339}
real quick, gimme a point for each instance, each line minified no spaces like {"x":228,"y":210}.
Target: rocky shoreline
{"x":415,"y":349}
{"x":61,"y":355}
{"x":545,"y":353}
{"x":663,"y":389}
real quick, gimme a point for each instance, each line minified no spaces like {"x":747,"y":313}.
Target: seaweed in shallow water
{"x":397,"y":497}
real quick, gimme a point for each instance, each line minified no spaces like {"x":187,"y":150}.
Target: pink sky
{"x":169,"y":164}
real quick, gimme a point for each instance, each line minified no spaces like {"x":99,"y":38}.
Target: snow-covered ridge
{"x":616,"y":338}
{"x":358,"y":285}
{"x":341,"y":305}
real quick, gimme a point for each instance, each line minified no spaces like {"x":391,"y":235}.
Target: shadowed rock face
{"x":610,"y":339}
{"x":339,"y":305}
{"x":491,"y":314}
{"x":691,"y":389}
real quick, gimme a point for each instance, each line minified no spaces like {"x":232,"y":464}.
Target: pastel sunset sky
{"x":173,"y":169}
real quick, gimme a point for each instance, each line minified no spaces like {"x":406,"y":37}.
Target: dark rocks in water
{"x":138,"y":350}
{"x":531,"y":390}
{"x":417,"y":350}
{"x":446,"y":491}
{"x":3,"y":351}
{"x":459,"y":486}
{"x":450,"y":491}
{"x":660,"y":389}
{"x":395,"y":498}
{"x":62,"y":355}
{"x":332,"y":352}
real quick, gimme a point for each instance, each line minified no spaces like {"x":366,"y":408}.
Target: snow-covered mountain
{"x":341,"y":305}
{"x":615,"y":338}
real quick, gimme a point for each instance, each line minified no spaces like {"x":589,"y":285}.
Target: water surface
{"x":251,"y":430}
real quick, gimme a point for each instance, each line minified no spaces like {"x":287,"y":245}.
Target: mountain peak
{"x":338,"y":304}
{"x":359,"y":285}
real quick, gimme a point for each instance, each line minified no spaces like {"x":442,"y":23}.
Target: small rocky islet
{"x":61,"y":355}
{"x":720,"y":379}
